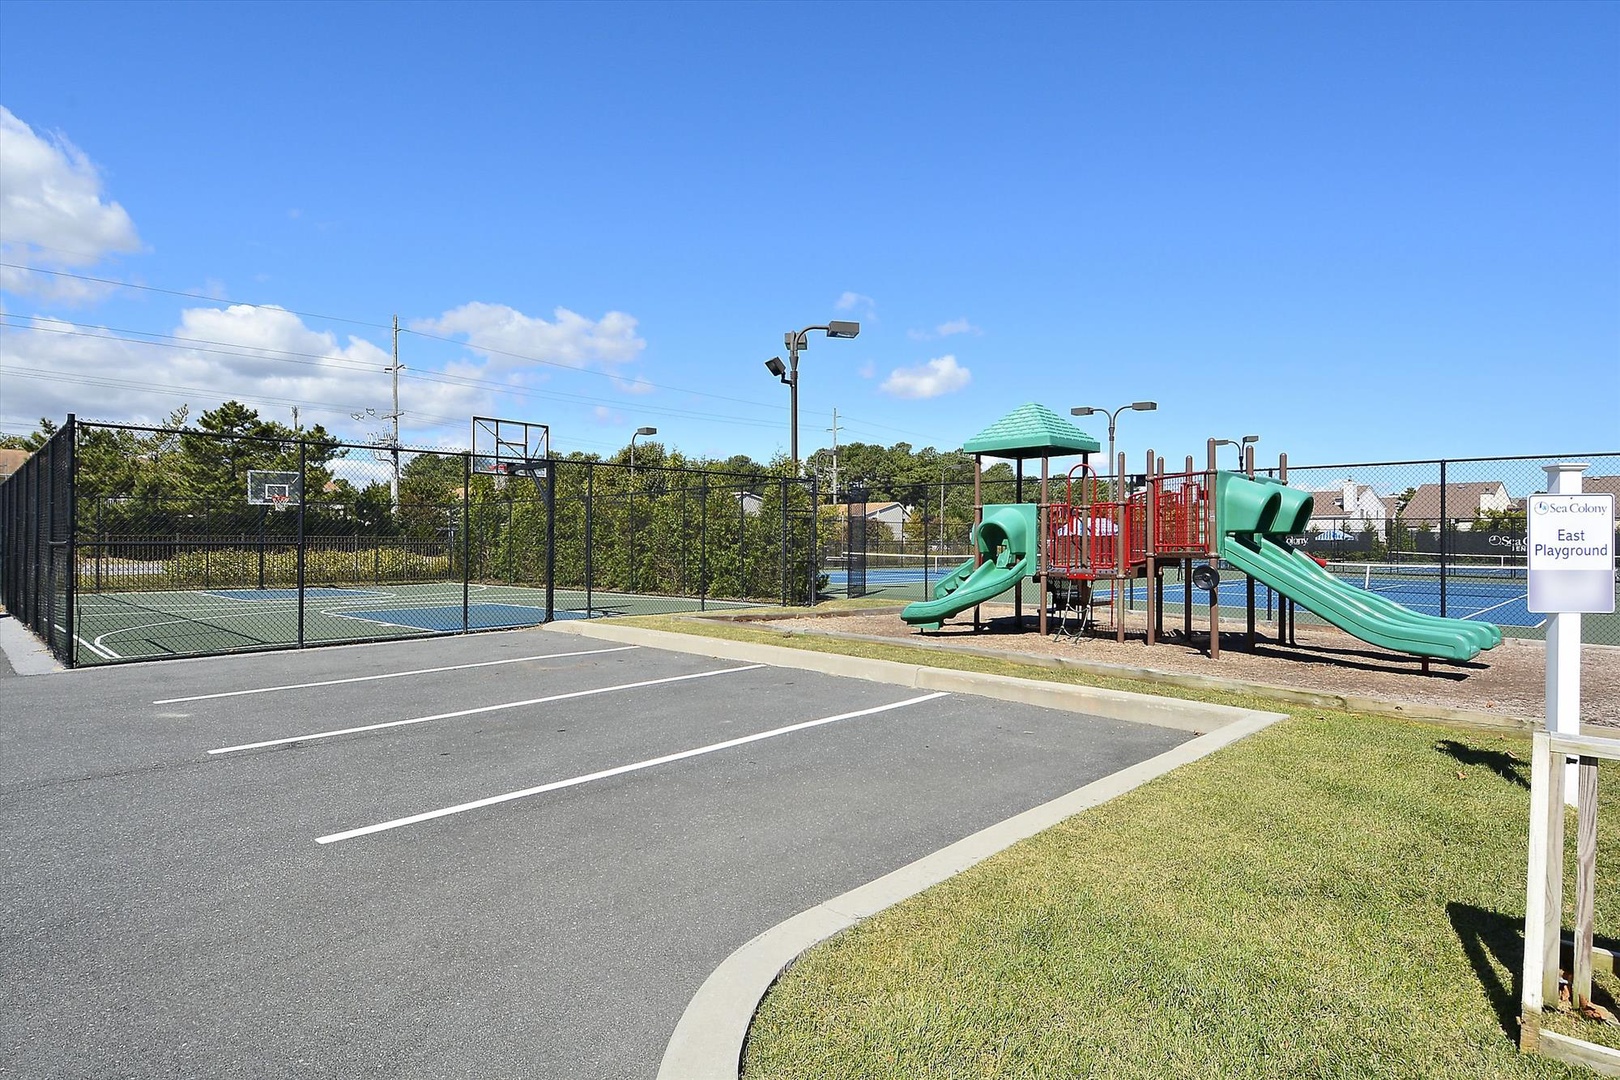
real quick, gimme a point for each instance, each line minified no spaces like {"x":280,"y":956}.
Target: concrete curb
{"x":1194,"y":716}
{"x":707,"y":1043}
{"x":25,"y":652}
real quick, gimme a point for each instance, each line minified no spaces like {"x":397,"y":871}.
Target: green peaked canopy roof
{"x":1031,"y":431}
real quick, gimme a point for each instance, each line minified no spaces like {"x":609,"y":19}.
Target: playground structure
{"x":1103,"y":534}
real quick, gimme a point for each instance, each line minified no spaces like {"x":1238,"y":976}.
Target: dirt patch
{"x":1509,"y":680}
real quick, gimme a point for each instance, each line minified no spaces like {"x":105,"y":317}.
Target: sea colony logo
{"x":1575,"y":506}
{"x":1516,"y":543}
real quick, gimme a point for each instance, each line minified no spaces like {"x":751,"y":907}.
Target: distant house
{"x":1347,"y":510}
{"x":1464,"y":503}
{"x":751,"y":503}
{"x":11,"y":461}
{"x":890,"y":515}
{"x":1609,"y":484}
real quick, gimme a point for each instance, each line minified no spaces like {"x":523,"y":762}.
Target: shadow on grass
{"x":1500,"y":762}
{"x":1487,"y":935}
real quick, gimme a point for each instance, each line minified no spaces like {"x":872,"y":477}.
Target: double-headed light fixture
{"x":1242,"y":445}
{"x":789,"y":372}
{"x":1113,"y":416}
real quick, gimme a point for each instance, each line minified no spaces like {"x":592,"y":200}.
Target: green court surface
{"x":114,"y":626}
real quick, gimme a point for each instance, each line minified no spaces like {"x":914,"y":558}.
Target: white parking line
{"x":389,"y":675}
{"x":619,"y":771}
{"x":483,"y":709}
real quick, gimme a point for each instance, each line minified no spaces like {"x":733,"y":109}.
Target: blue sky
{"x":1364,"y":232}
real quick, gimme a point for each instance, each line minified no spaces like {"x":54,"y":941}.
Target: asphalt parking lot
{"x":395,"y":864}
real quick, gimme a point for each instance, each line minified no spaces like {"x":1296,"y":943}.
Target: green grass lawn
{"x":1337,"y":896}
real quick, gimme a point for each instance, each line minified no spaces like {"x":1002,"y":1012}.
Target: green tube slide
{"x":1372,"y":618}
{"x":1006,"y":538}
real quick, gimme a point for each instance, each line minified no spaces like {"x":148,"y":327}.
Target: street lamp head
{"x":1247,"y":439}
{"x":1083,"y":410}
{"x":647,"y":431}
{"x":837,"y":329}
{"x":1145,"y":406}
{"x":775,"y":366}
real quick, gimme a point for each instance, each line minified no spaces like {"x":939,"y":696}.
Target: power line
{"x":188,"y":295}
{"x":318,"y":360}
{"x":686,"y":414}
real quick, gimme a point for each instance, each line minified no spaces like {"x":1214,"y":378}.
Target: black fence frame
{"x":36,"y":543}
{"x":65,"y":538}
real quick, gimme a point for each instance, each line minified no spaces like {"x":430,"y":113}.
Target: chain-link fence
{"x":130,"y":543}
{"x":36,"y":542}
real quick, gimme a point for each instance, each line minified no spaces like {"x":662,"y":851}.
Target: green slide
{"x":953,"y":580}
{"x":1251,"y":511}
{"x":1368,"y":616}
{"x":1006,"y":537}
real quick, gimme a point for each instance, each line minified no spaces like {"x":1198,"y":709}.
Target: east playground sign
{"x":1571,"y":553}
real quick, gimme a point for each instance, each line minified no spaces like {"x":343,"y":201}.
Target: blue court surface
{"x":292,"y":594}
{"x":445,"y":617}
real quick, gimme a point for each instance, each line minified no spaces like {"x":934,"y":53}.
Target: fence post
{"x":71,"y":598}
{"x":815,"y":539}
{"x":303,"y":479}
{"x":466,"y":541}
{"x":551,"y":538}
{"x":590,"y":560}
{"x":1444,"y":541}
{"x":703,"y":543}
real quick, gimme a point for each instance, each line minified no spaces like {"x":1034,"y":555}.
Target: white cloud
{"x":859,"y":303}
{"x":945,"y":329}
{"x":505,"y":336}
{"x":942,"y":375}
{"x":263,"y":356}
{"x":53,"y":214}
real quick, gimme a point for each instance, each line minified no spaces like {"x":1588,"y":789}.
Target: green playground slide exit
{"x":1006,"y":538}
{"x":1251,"y":513}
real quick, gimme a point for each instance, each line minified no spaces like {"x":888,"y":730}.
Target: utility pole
{"x":834,"y":430}
{"x":393,"y":488}
{"x":295,"y":418}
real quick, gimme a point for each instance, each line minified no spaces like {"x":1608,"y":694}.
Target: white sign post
{"x":1570,"y":549}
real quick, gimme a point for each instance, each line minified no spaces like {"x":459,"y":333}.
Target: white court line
{"x":619,"y":771}
{"x":483,"y":709}
{"x":1493,"y":607}
{"x":389,"y":675}
{"x":100,"y":650}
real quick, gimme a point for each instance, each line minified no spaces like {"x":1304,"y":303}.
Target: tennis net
{"x":1493,"y":570}
{"x":892,"y":568}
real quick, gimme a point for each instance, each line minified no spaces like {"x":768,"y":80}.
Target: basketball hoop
{"x":280,"y":502}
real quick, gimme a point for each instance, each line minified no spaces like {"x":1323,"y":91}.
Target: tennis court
{"x":510,"y":854}
{"x":114,"y":626}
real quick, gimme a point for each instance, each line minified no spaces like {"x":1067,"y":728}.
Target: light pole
{"x":1241,"y":444}
{"x":639,"y":431}
{"x":789,"y":373}
{"x":1113,"y":416}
